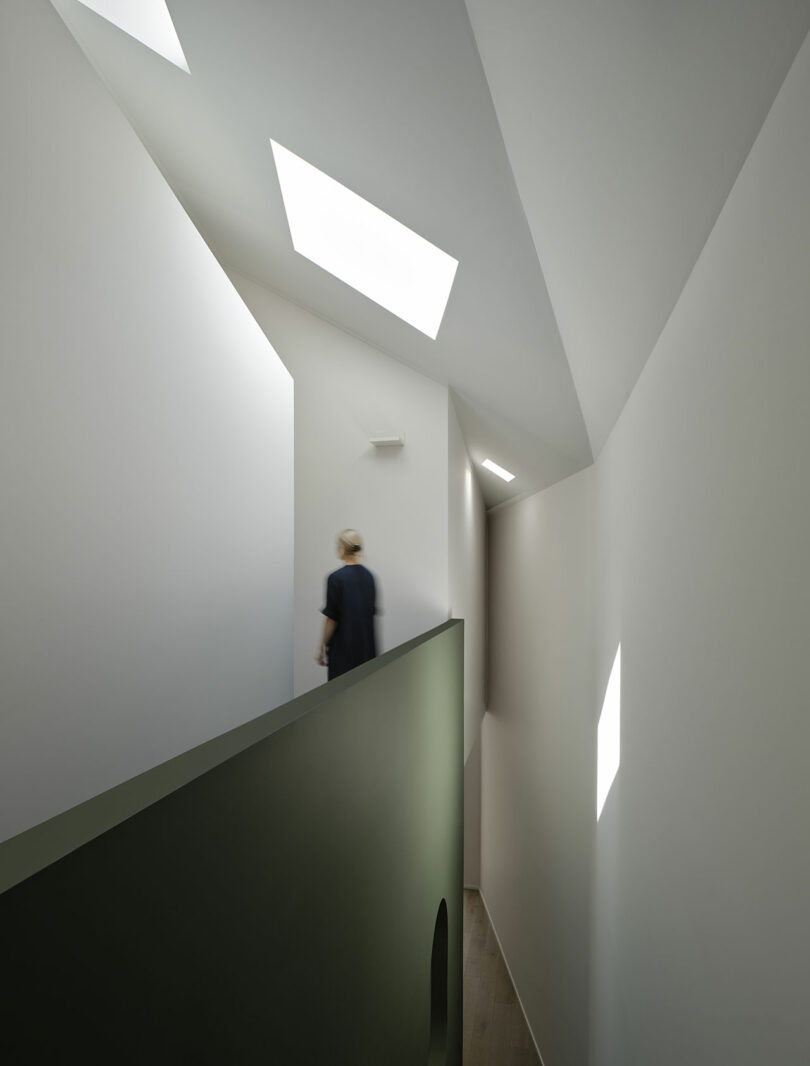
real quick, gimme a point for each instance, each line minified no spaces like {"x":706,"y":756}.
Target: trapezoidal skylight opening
{"x":148,"y":21}
{"x":363,"y":246}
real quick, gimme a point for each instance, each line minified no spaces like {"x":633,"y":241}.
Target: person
{"x":351,"y":603}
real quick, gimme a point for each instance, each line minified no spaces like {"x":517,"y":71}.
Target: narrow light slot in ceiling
{"x":499,"y":470}
{"x":148,"y":21}
{"x":363,"y":246}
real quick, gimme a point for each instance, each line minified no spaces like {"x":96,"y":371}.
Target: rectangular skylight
{"x":499,"y":470}
{"x":363,"y":246}
{"x":148,"y":21}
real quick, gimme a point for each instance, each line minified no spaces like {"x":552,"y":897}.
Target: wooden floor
{"x":495,"y":1031}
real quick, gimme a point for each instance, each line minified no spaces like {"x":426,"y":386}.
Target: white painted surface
{"x":468,"y":534}
{"x":145,"y":453}
{"x":539,"y":757}
{"x":702,"y":865}
{"x":701,"y":516}
{"x":472,"y":816}
{"x":626,"y":123}
{"x":346,"y":393}
{"x":391,"y":101}
{"x":467,"y":548}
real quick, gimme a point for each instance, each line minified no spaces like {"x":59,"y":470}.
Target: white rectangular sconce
{"x":388,"y":442}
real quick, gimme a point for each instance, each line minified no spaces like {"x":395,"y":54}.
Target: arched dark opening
{"x":438,"y":990}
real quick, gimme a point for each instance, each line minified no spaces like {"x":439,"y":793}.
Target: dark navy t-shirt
{"x":351,"y":601}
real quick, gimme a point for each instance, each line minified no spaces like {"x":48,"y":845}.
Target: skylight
{"x":363,"y":246}
{"x":148,"y":21}
{"x":499,"y":470}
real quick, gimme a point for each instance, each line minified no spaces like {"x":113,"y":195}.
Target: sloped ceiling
{"x":616,"y":133}
{"x":390,"y":99}
{"x":626,"y":123}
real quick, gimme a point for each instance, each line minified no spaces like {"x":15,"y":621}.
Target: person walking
{"x":351,"y":603}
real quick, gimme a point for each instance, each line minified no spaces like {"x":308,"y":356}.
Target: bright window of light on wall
{"x":148,"y":21}
{"x":608,"y":739}
{"x":363,"y":246}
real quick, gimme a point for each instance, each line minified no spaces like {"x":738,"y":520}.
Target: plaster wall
{"x":467,"y":558}
{"x":347,"y":392}
{"x":538,"y":755}
{"x":698,"y":870}
{"x":146,"y":455}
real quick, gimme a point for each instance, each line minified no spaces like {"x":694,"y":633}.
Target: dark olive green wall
{"x":280,"y":908}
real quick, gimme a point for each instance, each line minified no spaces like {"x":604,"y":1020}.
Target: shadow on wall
{"x":437,"y":1054}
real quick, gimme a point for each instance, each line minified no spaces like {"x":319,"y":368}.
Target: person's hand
{"x":320,"y":656}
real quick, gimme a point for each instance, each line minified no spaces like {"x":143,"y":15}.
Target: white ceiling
{"x":626,"y":123}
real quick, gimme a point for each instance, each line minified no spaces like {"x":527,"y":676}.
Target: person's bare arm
{"x":329,"y":627}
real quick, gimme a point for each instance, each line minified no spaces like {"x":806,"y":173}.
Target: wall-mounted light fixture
{"x":388,"y":442}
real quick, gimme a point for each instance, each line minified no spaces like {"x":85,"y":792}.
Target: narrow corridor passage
{"x":495,"y":1031}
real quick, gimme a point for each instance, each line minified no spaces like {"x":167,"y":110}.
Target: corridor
{"x":495,"y":1031}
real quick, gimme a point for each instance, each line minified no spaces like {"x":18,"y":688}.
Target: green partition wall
{"x":274,"y":896}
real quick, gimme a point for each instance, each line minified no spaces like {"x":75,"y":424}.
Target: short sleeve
{"x":375,"y":597}
{"x":333,"y":598}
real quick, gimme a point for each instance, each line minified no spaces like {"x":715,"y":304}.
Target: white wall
{"x":467,"y":533}
{"x":345,"y":393}
{"x":537,"y":757}
{"x":701,"y":514}
{"x":145,"y":453}
{"x":467,"y":543}
{"x":419,"y":508}
{"x":710,"y":521}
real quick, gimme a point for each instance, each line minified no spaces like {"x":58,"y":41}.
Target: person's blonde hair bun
{"x":350,"y":542}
